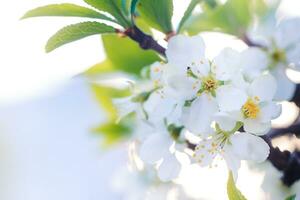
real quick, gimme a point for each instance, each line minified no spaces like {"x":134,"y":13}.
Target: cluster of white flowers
{"x":227,"y":102}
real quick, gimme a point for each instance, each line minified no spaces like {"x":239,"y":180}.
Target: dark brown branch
{"x":285,"y":161}
{"x":291,"y":130}
{"x":145,"y":41}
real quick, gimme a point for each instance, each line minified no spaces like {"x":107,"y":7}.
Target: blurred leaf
{"x":104,"y":96}
{"x":211,"y":3}
{"x":75,"y":32}
{"x":126,"y":55}
{"x":113,"y":7}
{"x":232,"y":191}
{"x":113,"y":132}
{"x":100,"y":68}
{"x":233,"y":17}
{"x":157,"y":13}
{"x":187,"y":13}
{"x":133,"y":6}
{"x":65,"y":9}
{"x":293,"y":197}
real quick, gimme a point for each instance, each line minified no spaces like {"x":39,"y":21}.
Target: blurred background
{"x":47,"y":111}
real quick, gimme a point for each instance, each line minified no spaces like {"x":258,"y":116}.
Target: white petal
{"x":159,"y":106}
{"x":239,"y":82}
{"x":205,"y":152}
{"x":287,"y":33}
{"x":293,"y":56}
{"x":262,"y":33}
{"x":230,"y":98}
{"x":180,"y":84}
{"x":201,"y":68}
{"x":183,"y":50}
{"x":269,"y":111}
{"x":155,"y":147}
{"x":200,"y":115}
{"x":232,"y":161}
{"x":124,"y":106}
{"x":256,"y":127}
{"x":253,"y":62}
{"x":249,"y":147}
{"x":169,"y":168}
{"x":285,"y":87}
{"x":225,"y":121}
{"x":156,"y":71}
{"x":226,"y":64}
{"x":264,"y":87}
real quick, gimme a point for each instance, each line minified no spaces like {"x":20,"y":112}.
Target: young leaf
{"x":133,"y":6}
{"x":187,"y":13}
{"x":113,"y":7}
{"x":232,"y":17}
{"x":232,"y":191}
{"x":126,"y":55}
{"x":292,"y":197}
{"x":75,"y":32}
{"x":65,"y":9}
{"x":104,"y":96}
{"x":158,"y":13}
{"x":100,"y":68}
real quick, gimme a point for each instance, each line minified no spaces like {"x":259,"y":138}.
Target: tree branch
{"x":285,"y":161}
{"x":145,"y":41}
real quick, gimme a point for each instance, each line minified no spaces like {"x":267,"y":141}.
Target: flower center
{"x":209,"y":84}
{"x":250,"y":109}
{"x":278,"y":56}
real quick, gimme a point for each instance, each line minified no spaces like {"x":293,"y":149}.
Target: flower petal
{"x":169,"y":168}
{"x":205,"y":152}
{"x":232,"y":161}
{"x":285,"y":87}
{"x":225,"y":121}
{"x":253,"y":62}
{"x":183,"y":50}
{"x":249,"y":147}
{"x":230,"y":98}
{"x":293,"y":56}
{"x":256,"y":127}
{"x":264,"y":87}
{"x":155,"y":147}
{"x":159,"y":106}
{"x":199,"y":116}
{"x":287,"y":33}
{"x":269,"y":111}
{"x":226,"y":64}
{"x":124,"y":106}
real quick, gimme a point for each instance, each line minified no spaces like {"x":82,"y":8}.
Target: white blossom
{"x":281,"y":50}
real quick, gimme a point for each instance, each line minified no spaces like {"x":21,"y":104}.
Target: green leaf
{"x":187,"y":13}
{"x":126,"y":55}
{"x":104,"y":67}
{"x":65,"y":9}
{"x":292,"y":197}
{"x":113,"y":7}
{"x":75,"y":32}
{"x":113,"y":132}
{"x":232,"y":191}
{"x":104,"y":96}
{"x":211,"y":3}
{"x":233,"y":17}
{"x":133,"y":7}
{"x":158,"y":13}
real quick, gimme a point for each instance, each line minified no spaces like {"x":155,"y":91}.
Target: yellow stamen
{"x":250,"y":109}
{"x":209,"y":84}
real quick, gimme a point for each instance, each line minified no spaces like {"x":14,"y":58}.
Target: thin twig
{"x":145,"y":41}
